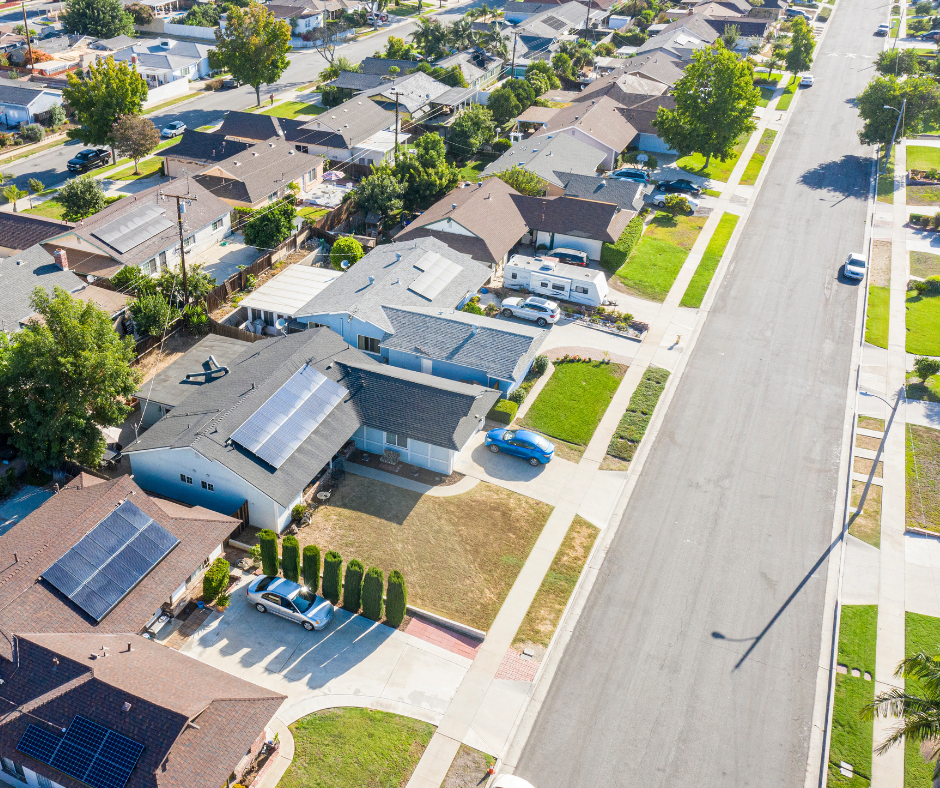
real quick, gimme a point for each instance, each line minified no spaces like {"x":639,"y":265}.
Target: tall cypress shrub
{"x":332,"y":576}
{"x":352,"y":585}
{"x":312,"y":567}
{"x":268,"y":541}
{"x":290,"y":558}
{"x":372,"y":594}
{"x":215,"y":580}
{"x":396,"y":599}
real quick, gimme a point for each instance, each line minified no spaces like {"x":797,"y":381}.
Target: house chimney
{"x":134,"y":59}
{"x":61,"y":259}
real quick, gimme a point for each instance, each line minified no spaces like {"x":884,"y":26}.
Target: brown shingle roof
{"x":18,"y":231}
{"x":601,"y":221}
{"x":600,"y":119}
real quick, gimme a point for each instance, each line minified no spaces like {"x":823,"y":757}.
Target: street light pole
{"x":893,"y":137}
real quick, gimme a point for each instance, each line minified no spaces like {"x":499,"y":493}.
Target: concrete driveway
{"x":354,"y":661}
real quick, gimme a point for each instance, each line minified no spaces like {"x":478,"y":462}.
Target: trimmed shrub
{"x":501,"y":145}
{"x":215,"y":580}
{"x":268,"y":541}
{"x":372,"y":594}
{"x":677,"y":203}
{"x":503,"y":412}
{"x":540,"y":365}
{"x":332,"y":576}
{"x":290,"y":558}
{"x":352,"y":585}
{"x":312,"y":567}
{"x":298,"y":512}
{"x":929,"y":285}
{"x":615,"y":255}
{"x":517,"y":395}
{"x":396,"y":600}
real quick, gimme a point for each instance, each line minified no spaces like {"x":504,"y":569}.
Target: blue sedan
{"x":522,"y":443}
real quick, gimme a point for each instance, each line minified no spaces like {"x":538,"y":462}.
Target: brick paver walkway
{"x":452,"y":641}
{"x":516,"y":667}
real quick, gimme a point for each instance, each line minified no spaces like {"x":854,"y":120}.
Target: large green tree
{"x":337,"y":67}
{"x":897,"y":62}
{"x":799,"y":57}
{"x":271,"y":224}
{"x":431,"y":37}
{"x":62,"y":378}
{"x":874,"y":105}
{"x":253,"y":46}
{"x":504,"y":105}
{"x":97,"y":18}
{"x":81,"y":197}
{"x":472,"y":129}
{"x":109,"y":91}
{"x":715,"y":101}
{"x":380,"y":192}
{"x":134,"y":137}
{"x":424,"y":172}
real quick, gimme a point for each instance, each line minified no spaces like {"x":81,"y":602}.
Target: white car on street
{"x":854,"y":266}
{"x":659,"y":200}
{"x":807,"y":81}
{"x":173,"y":129}
{"x":541,"y":310}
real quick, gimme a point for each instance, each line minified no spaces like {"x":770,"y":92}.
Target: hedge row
{"x":269,"y":563}
{"x":613,"y":256}
{"x":503,"y":412}
{"x":290,"y":558}
{"x":518,"y":394}
{"x":633,"y":425}
{"x":215,"y":580}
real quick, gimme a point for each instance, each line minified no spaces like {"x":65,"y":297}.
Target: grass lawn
{"x":349,"y":746}
{"x":921,"y":157}
{"x":757,"y":160}
{"x":718,"y":170}
{"x":928,"y":392}
{"x":923,"y":324}
{"x":922,"y":633}
{"x":923,"y":195}
{"x":459,"y":554}
{"x":311,"y":213}
{"x":852,"y":736}
{"x":876,"y":327}
{"x":784,"y":104}
{"x":148,"y":167}
{"x":895,"y":26}
{"x":924,"y":264}
{"x":571,"y":404}
{"x":766,"y":94}
{"x":291,"y":109}
{"x":544,"y":613}
{"x":711,"y":192}
{"x":472,"y":170}
{"x":655,"y":262}
{"x":871,"y":423}
{"x":695,"y":292}
{"x":886,"y":182}
{"x":824,"y":14}
{"x":863,"y":465}
{"x":866,"y":525}
{"x":922,"y":446}
{"x":636,"y":419}
{"x":468,"y":769}
{"x":53,"y":209}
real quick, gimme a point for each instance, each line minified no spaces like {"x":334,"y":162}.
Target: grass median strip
{"x":350,"y":746}
{"x":784,"y":103}
{"x":655,"y":261}
{"x":921,"y":633}
{"x":876,"y":326}
{"x":923,"y":477}
{"x":923,"y":323}
{"x":757,"y":160}
{"x":148,"y":168}
{"x":886,"y":181}
{"x":866,"y":524}
{"x":291,"y":109}
{"x":701,"y":279}
{"x":633,"y":424}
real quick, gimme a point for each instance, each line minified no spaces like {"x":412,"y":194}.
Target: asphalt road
{"x":49,"y":166}
{"x":694,"y":663}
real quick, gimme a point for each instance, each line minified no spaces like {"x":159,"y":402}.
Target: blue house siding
{"x":446,"y":369}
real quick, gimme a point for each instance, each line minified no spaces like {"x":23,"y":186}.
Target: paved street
{"x":695,"y":660}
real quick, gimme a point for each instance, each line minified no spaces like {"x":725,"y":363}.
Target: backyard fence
{"x":233,"y":332}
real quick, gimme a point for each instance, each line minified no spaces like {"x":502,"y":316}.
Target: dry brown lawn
{"x":863,"y":465}
{"x":468,"y":769}
{"x":881,"y":263}
{"x":866,"y":442}
{"x":866,"y":525}
{"x":459,"y":554}
{"x":869,"y":423}
{"x":174,"y":346}
{"x":923,"y":477}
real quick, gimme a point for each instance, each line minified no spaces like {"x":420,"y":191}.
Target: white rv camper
{"x":546,"y":276}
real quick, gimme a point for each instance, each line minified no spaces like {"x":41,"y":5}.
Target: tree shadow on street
{"x":849,"y":176}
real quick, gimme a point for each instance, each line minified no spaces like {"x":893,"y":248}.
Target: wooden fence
{"x":233,"y":332}
{"x":147,"y":345}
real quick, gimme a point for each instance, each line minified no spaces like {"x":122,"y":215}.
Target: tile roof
{"x":41,"y":538}
{"x":20,"y":274}
{"x":425,"y":408}
{"x":628,"y":195}
{"x":179,"y":709}
{"x":500,"y":348}
{"x":547,"y":154}
{"x":574,"y":216}
{"x":600,"y":119}
{"x":20,"y":231}
{"x":203,"y":146}
{"x":477,"y":207}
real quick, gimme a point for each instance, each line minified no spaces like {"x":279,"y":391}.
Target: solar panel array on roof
{"x":289,"y":416}
{"x":89,"y":752}
{"x":554,"y":22}
{"x":437,"y":273}
{"x":112,"y":558}
{"x":133,"y":228}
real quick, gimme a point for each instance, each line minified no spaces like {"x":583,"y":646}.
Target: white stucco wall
{"x":424,"y":455}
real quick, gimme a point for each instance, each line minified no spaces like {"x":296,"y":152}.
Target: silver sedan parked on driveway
{"x":289,"y":600}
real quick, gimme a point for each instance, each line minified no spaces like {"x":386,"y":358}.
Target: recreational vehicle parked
{"x":549,"y":277}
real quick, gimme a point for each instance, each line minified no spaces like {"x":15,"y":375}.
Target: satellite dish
{"x":281,"y":324}
{"x":344,"y":265}
{"x":642,"y":157}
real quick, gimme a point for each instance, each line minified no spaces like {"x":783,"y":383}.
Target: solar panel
{"x":554,"y":22}
{"x":89,"y":752}
{"x":289,"y":416}
{"x":437,"y":273}
{"x":134,"y":228}
{"x":112,"y":558}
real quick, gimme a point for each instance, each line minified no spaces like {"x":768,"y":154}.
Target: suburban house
{"x":25,"y":102}
{"x":653,"y":67}
{"x":751,"y":32}
{"x":19,"y":231}
{"x":167,"y":60}
{"x":89,"y":702}
{"x":548,"y":155}
{"x":595,"y":122}
{"x":301,"y":18}
{"x":447,"y":106}
{"x":572,"y":222}
{"x":414,"y":94}
{"x":516,"y":11}
{"x":141,"y":230}
{"x":382,"y":66}
{"x":197,"y":150}
{"x":480,"y":69}
{"x":260,"y":431}
{"x":626,"y":195}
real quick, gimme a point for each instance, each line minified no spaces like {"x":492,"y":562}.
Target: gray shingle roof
{"x":381,"y":65}
{"x":499,"y":348}
{"x":21,"y":94}
{"x":547,"y":155}
{"x":351,"y":80}
{"x":628,"y":195}
{"x":353,"y":293}
{"x":203,"y":146}
{"x":422,"y":407}
{"x":345,"y":125}
{"x":249,"y":126}
{"x":20,"y":274}
{"x":573,"y":216}
{"x":414,"y":90}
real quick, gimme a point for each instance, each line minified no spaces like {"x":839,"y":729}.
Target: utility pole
{"x":29,"y":45}
{"x":181,"y":200}
{"x":587,"y":21}
{"x":512,"y":68}
{"x":396,"y":127}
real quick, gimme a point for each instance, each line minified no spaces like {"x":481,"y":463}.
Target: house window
{"x":368,"y":344}
{"x":579,"y":289}
{"x":189,"y":240}
{"x":269,"y":318}
{"x":186,"y":479}
{"x":394,"y":439}
{"x":272,"y":196}
{"x":162,"y":258}
{"x":216,"y":225}
{"x":302,"y":148}
{"x":513,"y":275}
{"x":208,"y":486}
{"x":149,"y":267}
{"x":13,"y":769}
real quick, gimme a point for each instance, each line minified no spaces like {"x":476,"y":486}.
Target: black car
{"x":680,"y":186}
{"x":89,"y":159}
{"x":930,"y":35}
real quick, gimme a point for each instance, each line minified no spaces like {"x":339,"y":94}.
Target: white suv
{"x":541,"y":310}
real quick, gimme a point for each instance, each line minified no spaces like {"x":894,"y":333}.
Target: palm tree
{"x":431,"y":37}
{"x":12,"y":193}
{"x":919,"y":711}
{"x":340,"y":64}
{"x":491,"y":40}
{"x":460,"y":34}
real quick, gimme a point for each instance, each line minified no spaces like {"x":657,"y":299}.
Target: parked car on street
{"x":631,"y":174}
{"x":807,"y":81}
{"x":883,"y":30}
{"x":659,"y":200}
{"x":521,"y":443}
{"x":854,"y":266}
{"x":89,"y":159}
{"x":930,"y":35}
{"x":680,"y":186}
{"x":289,"y":600}
{"x":173,"y":129}
{"x":541,"y":310}
{"x":569,"y":256}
